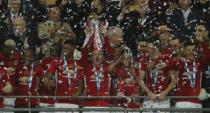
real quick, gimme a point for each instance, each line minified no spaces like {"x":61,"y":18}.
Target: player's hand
{"x":162,"y":95}
{"x":203,"y":94}
{"x":77,"y":54}
{"x":120,"y":94}
{"x":7,"y":88}
{"x":46,"y":82}
{"x":152,"y":96}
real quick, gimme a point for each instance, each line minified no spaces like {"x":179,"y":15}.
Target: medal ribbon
{"x":129,"y":73}
{"x":98,"y":77}
{"x":154,"y":74}
{"x":75,"y":69}
{"x":67,"y":70}
{"x":191,"y":74}
{"x":31,"y":76}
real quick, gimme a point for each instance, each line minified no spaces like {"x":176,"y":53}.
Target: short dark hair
{"x":29,"y":50}
{"x":70,"y":42}
{"x":56,"y":49}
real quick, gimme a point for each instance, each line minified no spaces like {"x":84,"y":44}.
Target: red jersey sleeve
{"x":54,"y":63}
{"x":120,"y":86}
{"x":5,"y":77}
{"x":39,"y":71}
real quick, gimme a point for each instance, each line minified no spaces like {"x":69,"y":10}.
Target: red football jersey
{"x":166,"y":53}
{"x":27,"y":85}
{"x":12,"y":65}
{"x":142,"y":61}
{"x":66,"y":87}
{"x":3,"y":79}
{"x":43,"y":91}
{"x":190,"y":75}
{"x":157,"y":80}
{"x":130,"y":89}
{"x":187,"y":86}
{"x":97,"y":82}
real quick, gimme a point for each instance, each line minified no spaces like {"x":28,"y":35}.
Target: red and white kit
{"x":42,"y":89}
{"x":96,"y":85}
{"x":3,"y":79}
{"x":66,"y":86}
{"x":27,"y":85}
{"x":189,"y":79}
{"x":130,"y":85}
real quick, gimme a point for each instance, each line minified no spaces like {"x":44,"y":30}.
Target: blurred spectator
{"x":19,"y":34}
{"x":53,"y":30}
{"x":158,"y":8}
{"x":183,"y":20}
{"x":76,"y":12}
{"x":136,"y":21}
{"x":14,"y":9}
{"x":38,"y":13}
{"x":112,"y":11}
{"x":202,"y":10}
{"x":3,"y":32}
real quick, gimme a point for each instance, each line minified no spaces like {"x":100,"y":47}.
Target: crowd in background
{"x":153,"y":48}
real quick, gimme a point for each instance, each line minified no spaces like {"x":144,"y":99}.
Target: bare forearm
{"x":141,"y":81}
{"x":37,"y":86}
{"x":170,"y":86}
{"x":173,"y":76}
{"x":80,"y":88}
{"x":143,"y":86}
